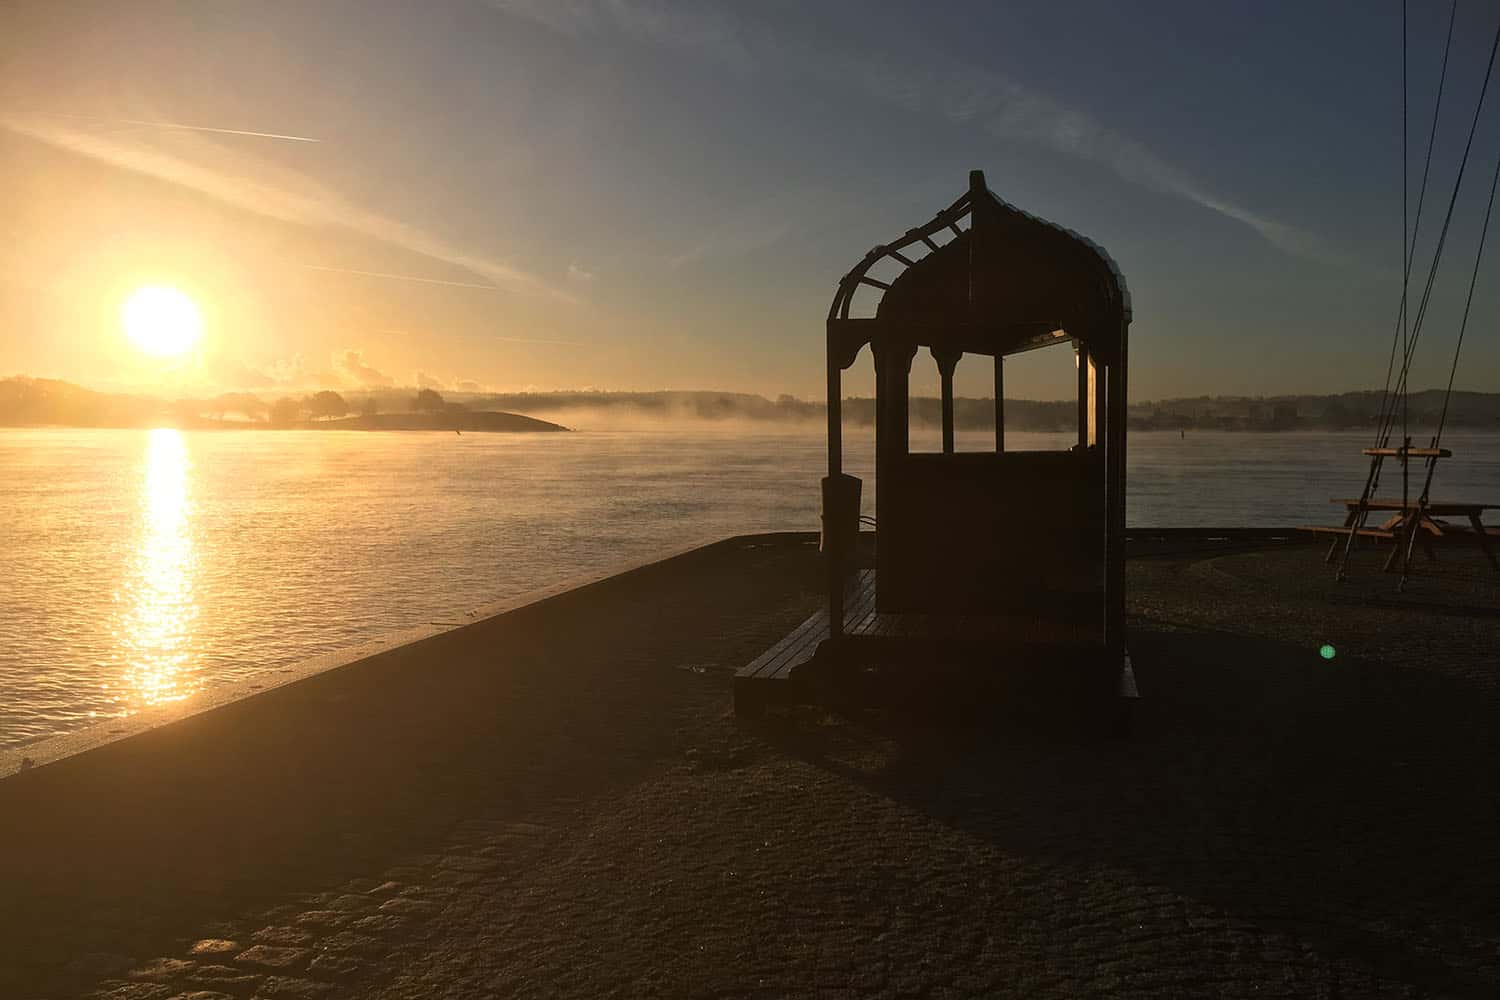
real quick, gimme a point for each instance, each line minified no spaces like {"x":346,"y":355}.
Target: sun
{"x":161,"y":320}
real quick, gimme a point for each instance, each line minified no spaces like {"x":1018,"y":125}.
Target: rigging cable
{"x":1388,"y":404}
{"x":1431,"y":463}
{"x":1463,"y":326}
{"x":1421,"y":315}
{"x":1409,"y":250}
{"x":1468,"y":301}
{"x":1406,"y":189}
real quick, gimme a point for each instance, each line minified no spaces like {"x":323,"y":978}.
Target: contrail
{"x":187,"y":128}
{"x":401,"y":277}
{"x":533,"y":340}
{"x":514,"y":340}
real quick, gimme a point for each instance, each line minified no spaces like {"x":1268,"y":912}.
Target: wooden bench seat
{"x":1409,"y":452}
{"x":1321,"y":529}
{"x":1413,"y":522}
{"x":1434,"y":508}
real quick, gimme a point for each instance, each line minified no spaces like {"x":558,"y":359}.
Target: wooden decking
{"x":773,"y":677}
{"x":768,"y":678}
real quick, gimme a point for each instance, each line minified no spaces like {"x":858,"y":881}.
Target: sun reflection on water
{"x":160,"y":604}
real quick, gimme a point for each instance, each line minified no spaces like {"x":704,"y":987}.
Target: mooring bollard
{"x":841,"y":496}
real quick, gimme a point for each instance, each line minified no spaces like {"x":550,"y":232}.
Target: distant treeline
{"x":1350,"y":410}
{"x":27,"y":401}
{"x":1345,"y":411}
{"x":1022,"y":414}
{"x":51,"y":402}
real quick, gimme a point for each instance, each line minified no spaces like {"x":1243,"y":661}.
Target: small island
{"x":31,"y":402}
{"x":449,"y":420}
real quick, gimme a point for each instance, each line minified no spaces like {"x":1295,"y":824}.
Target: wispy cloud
{"x":540,"y":340}
{"x":713,"y":32}
{"x":234,"y":374}
{"x":181,"y":127}
{"x":427,"y":380}
{"x":295,"y":373}
{"x":962,"y":93}
{"x":577,"y":272}
{"x":750,"y":227}
{"x":272,"y":191}
{"x":352,"y":364}
{"x":350,"y":369}
{"x":509,"y":340}
{"x":1012,"y":112}
{"x":398,"y":277}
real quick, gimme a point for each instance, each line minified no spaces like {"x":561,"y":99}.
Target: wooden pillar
{"x":1083,"y":395}
{"x":892,"y":399}
{"x":834,"y":559}
{"x":999,"y":403}
{"x":835,"y":418}
{"x":1114,"y":546}
{"x":892,"y":435}
{"x":1096,"y":371}
{"x":947,"y":381}
{"x":947,"y":362}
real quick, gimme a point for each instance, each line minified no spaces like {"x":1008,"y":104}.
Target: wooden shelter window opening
{"x":937,"y":428}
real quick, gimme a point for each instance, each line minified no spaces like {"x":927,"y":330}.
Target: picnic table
{"x":1408,"y":518}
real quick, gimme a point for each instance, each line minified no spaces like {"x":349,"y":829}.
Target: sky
{"x":636,"y":195}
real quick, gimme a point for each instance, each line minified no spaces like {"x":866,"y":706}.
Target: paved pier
{"x":559,"y":802}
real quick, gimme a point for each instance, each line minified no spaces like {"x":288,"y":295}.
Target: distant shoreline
{"x":477,"y":421}
{"x":30,"y":402}
{"x":491,"y":421}
{"x":522,"y":424}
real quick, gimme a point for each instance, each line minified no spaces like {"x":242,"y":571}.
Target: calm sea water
{"x":138,"y":567}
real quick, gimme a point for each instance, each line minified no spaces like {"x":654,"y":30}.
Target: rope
{"x":1406,"y":276}
{"x":1409,"y":249}
{"x":1463,"y":325}
{"x":1405,"y":189}
{"x":1468,"y":301}
{"x":1388,"y":405}
{"x":1405,"y":194}
{"x":1417,"y":326}
{"x":1408,"y":254}
{"x":1452,"y":371}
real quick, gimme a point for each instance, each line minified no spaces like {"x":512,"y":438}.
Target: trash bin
{"x":840,"y":513}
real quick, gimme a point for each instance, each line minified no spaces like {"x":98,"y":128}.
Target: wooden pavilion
{"x":980,"y":557}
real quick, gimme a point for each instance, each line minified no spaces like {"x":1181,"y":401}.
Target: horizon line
{"x":590,"y":391}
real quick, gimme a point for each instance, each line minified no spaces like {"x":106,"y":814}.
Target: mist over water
{"x":139,"y":567}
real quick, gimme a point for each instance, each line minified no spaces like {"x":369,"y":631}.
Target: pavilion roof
{"x":1007,"y":281}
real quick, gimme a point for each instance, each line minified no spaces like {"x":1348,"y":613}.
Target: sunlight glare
{"x":161,"y":321}
{"x":157,"y":626}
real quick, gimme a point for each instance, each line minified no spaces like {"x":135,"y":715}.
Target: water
{"x":139,"y":567}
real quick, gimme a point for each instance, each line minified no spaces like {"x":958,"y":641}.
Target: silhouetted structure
{"x":976,"y":553}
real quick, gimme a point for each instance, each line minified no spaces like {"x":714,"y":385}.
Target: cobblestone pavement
{"x":1279,"y":825}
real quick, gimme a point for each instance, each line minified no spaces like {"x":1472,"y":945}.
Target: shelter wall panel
{"x":978,"y":533}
